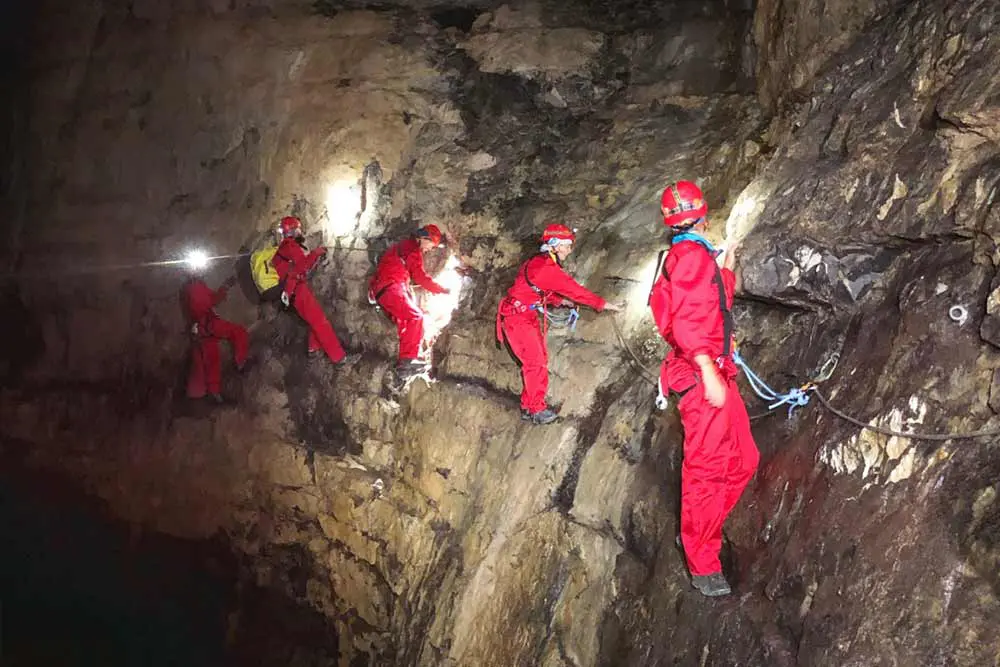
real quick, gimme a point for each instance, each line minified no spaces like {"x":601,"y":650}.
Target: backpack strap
{"x":543,"y":299}
{"x":660,"y":266}
{"x":534,"y":288}
{"x":728,"y":324}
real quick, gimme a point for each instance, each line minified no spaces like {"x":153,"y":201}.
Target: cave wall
{"x":440,"y":529}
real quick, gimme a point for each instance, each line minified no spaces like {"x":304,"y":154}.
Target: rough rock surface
{"x":440,"y":529}
{"x":796,"y":38}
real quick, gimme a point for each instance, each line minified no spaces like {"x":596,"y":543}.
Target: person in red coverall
{"x":691,"y":302}
{"x":390,"y":289}
{"x":209,"y":330}
{"x":293,"y":266}
{"x":541,"y":282}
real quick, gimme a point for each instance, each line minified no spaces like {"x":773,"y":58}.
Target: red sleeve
{"x":659,"y":303}
{"x":310,"y":259}
{"x":299,"y":262}
{"x":694,"y":302}
{"x":551,"y":277}
{"x":415,"y":265}
{"x":219,"y":295}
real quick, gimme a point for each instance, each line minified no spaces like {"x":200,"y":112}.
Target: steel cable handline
{"x":643,"y":371}
{"x":799,"y":396}
{"x":985,"y":433}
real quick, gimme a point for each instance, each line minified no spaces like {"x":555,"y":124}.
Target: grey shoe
{"x":711,"y":585}
{"x":545,"y":416}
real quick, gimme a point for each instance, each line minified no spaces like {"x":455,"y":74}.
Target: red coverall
{"x":206,"y":366}
{"x":293,"y":265}
{"x":720,"y":456}
{"x":390,"y":287}
{"x":520,"y":324}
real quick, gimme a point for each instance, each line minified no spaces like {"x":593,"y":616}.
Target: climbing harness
{"x":795,"y":397}
{"x":799,"y":396}
{"x":543,"y":305}
{"x":728,"y":322}
{"x":373,"y":298}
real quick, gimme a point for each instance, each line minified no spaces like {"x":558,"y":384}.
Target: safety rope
{"x":562,"y":318}
{"x":799,"y":396}
{"x":796,"y":397}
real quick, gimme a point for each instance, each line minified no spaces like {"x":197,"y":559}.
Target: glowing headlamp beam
{"x":197,"y":259}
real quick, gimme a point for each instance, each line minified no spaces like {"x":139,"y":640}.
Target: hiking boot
{"x":545,"y":416}
{"x":216,"y":398}
{"x":711,"y":585}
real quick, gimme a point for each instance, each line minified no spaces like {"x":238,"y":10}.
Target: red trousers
{"x":720,"y":457}
{"x":399,"y":304}
{"x":206,"y":366}
{"x":321,"y":334}
{"x":524,"y":335}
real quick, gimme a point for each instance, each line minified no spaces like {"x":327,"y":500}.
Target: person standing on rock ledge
{"x":541,"y":282}
{"x":209,"y":330}
{"x":390,"y":289}
{"x":293,"y":266}
{"x":691,"y":301}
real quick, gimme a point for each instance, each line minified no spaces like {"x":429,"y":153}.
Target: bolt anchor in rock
{"x":958,"y":314}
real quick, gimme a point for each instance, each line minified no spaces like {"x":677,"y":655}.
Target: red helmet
{"x":682,"y":202}
{"x":290,"y":226}
{"x":557,"y":232}
{"x":431,"y":233}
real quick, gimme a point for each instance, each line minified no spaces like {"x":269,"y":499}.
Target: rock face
{"x":439,"y":529}
{"x":795,"y":39}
